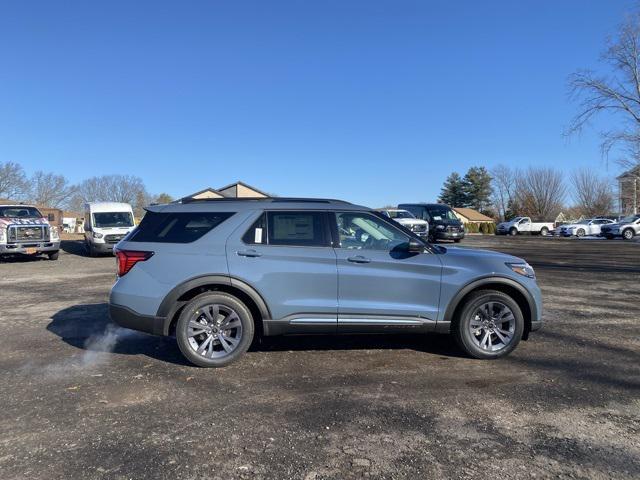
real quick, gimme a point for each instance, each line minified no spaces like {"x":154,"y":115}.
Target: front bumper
{"x":29,"y":248}
{"x":103,"y":247}
{"x":444,"y":235}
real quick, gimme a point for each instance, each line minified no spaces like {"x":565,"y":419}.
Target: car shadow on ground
{"x":88,"y":327}
{"x":73,"y":247}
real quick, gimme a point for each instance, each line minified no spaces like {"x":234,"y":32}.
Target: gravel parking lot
{"x":83,"y":399}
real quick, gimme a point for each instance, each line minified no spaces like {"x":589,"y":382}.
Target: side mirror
{"x":415,"y":246}
{"x":87,"y":227}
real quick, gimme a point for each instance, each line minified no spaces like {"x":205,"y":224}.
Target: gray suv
{"x":216,"y":273}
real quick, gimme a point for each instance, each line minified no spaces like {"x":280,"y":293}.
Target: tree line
{"x":52,"y":190}
{"x":537,"y":192}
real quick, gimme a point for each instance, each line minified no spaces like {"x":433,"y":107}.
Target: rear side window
{"x":183,"y":227}
{"x":297,"y":229}
{"x":304,"y":229}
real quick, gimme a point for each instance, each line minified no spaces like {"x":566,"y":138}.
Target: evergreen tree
{"x":453,"y":191}
{"x":477,"y":189}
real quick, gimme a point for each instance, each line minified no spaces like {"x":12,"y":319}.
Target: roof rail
{"x":266,"y":199}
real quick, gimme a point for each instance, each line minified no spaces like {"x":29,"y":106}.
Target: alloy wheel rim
{"x":214,"y":331}
{"x":492,"y":326}
{"x":628,"y":234}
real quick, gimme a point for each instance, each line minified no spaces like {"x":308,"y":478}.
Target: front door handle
{"x":359,"y":259}
{"x":249,"y":253}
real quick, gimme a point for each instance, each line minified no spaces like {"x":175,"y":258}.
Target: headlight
{"x":54,"y":232}
{"x":523,"y":269}
{"x":2,"y":234}
{"x":97,"y":235}
{"x":440,"y":227}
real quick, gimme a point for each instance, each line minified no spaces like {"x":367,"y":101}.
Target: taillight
{"x":128,"y":258}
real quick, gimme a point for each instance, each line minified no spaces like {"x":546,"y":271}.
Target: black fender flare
{"x":170,"y":304}
{"x":485,"y":281}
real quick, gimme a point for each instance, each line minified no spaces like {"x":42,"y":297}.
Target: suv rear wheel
{"x":489,"y":325}
{"x":214,"y":329}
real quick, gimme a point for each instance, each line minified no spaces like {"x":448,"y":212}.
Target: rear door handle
{"x":249,"y":253}
{"x":359,"y":259}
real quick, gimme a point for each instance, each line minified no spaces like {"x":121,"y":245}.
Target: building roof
{"x":472,"y":215}
{"x":631,"y":173}
{"x":238,"y":183}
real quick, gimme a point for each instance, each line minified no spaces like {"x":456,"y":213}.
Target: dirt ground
{"x":83,"y":399}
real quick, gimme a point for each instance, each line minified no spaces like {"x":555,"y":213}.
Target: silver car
{"x":218,"y":272}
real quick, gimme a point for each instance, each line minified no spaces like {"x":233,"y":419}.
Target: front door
{"x":381,"y":286}
{"x":288,"y":258}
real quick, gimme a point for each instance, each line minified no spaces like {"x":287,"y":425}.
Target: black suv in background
{"x":443,"y":223}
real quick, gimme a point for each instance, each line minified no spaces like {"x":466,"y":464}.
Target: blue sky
{"x":374,"y":102}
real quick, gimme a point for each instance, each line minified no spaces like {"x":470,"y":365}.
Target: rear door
{"x":381,"y":287}
{"x":288,"y":258}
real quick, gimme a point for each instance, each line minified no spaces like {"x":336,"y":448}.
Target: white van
{"x":105,"y":224}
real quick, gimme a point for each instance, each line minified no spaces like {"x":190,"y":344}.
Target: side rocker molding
{"x":170,"y":304}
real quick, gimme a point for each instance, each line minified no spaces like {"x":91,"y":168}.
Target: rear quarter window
{"x":176,"y":227}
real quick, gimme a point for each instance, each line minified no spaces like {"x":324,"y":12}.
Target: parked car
{"x":590,"y":226}
{"x":106,"y":223}
{"x":407,"y":219}
{"x":519,"y":225}
{"x":443,"y":222}
{"x":217,"y":272}
{"x":626,"y":228}
{"x":25,"y":231}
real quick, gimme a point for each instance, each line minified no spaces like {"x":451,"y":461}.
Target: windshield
{"x":514,"y":220}
{"x":583,"y":222}
{"x":400,"y":214}
{"x":112,"y":219}
{"x":20,"y":212}
{"x":630,"y":219}
{"x":441,"y":213}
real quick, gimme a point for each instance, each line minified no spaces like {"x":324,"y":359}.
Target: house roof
{"x":235,"y":185}
{"x":472,"y":215}
{"x":632,"y":172}
{"x":205,"y":190}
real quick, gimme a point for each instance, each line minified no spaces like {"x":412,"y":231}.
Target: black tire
{"x":90,"y":250}
{"x":513,"y":231}
{"x":53,"y":255}
{"x":544,"y":231}
{"x":190,"y":310}
{"x":628,"y":234}
{"x":609,"y":237}
{"x":457,"y":240}
{"x":580,"y":232}
{"x":461,"y":329}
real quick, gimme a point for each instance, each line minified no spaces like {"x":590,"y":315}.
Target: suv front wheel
{"x":214,"y":329}
{"x":489,"y":325}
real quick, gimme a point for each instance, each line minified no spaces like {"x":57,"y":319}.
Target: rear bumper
{"x":21,"y":248}
{"x":127,"y":318}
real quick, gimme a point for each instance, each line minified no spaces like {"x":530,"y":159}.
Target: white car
{"x":590,"y":226}
{"x":408,"y":220}
{"x":519,"y":225}
{"x":105,"y":224}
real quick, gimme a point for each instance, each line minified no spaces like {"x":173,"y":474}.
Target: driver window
{"x":361,"y":231}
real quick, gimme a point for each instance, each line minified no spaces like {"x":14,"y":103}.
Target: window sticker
{"x":258,"y":237}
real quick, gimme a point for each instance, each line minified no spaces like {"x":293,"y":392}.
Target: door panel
{"x":383,"y":288}
{"x":298,"y":283}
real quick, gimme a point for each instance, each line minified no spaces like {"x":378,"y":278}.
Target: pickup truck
{"x":25,"y":231}
{"x":524,"y":225}
{"x":408,"y":220}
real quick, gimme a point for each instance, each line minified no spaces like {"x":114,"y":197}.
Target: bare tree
{"x":13,"y":181}
{"x":50,"y":190}
{"x":617,"y":94}
{"x":113,"y":188}
{"x":539,"y":193}
{"x":592,"y":194}
{"x":503,"y":180}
